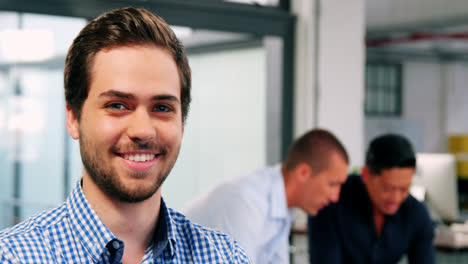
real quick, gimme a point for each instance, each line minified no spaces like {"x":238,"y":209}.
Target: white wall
{"x":423,"y":101}
{"x":457,"y":98}
{"x":434,"y":105}
{"x":341,"y":77}
{"x":330,"y":57}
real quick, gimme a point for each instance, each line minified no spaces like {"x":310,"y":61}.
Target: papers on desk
{"x":455,"y":236}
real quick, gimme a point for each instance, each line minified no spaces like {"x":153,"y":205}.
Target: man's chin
{"x":130,"y":189}
{"x":313,"y":212}
{"x":388,"y":211}
{"x":133,"y":196}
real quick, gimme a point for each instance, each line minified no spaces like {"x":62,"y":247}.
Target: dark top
{"x":345,"y":232}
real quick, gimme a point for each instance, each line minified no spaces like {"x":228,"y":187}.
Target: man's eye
{"x":116,"y":106}
{"x":162,"y":108}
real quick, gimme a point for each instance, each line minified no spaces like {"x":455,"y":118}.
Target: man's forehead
{"x":404,"y":171}
{"x":396,"y":177}
{"x":118,"y":72}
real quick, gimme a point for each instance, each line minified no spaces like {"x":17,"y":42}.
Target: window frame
{"x":383,"y":88}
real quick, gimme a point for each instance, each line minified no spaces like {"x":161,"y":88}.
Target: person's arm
{"x":324,"y":242}
{"x":422,"y":249}
{"x":241,"y":218}
{"x":233,"y":212}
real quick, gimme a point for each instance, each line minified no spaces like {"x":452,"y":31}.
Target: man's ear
{"x":303,"y":172}
{"x":72,"y":124}
{"x":365,"y":174}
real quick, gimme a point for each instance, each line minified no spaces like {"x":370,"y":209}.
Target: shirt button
{"x":115,"y":244}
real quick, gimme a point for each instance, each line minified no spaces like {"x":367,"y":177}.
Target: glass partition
{"x":226,"y":134}
{"x":32,"y":117}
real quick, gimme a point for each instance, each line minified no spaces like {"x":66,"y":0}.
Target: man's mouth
{"x":391,"y":206}
{"x":140,"y":160}
{"x":141,"y":157}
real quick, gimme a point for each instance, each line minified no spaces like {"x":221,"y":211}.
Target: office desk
{"x":451,"y":255}
{"x":451,"y":246}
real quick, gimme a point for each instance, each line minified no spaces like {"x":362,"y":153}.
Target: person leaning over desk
{"x":375,"y":220}
{"x":254,"y":209}
{"x":127,"y":91}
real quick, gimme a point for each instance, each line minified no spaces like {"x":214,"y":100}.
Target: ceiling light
{"x":26,"y":45}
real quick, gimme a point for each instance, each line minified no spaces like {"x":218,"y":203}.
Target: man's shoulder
{"x":30,"y":237}
{"x":415,"y":209}
{"x":255,"y":181}
{"x":258,"y":186}
{"x":353,"y":181}
{"x":41,"y":221}
{"x":352,"y":190}
{"x":237,"y":194}
{"x":206,"y":243}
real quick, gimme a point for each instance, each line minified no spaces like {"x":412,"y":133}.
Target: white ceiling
{"x":397,"y":23}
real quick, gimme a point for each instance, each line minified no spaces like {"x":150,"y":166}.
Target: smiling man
{"x":127,"y":89}
{"x":375,"y":220}
{"x":255,"y":208}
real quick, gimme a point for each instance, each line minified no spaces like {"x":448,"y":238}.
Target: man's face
{"x":131,"y":123}
{"x":324,"y":187}
{"x":389,"y":189}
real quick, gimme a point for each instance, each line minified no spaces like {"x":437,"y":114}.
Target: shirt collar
{"x":279,"y":207}
{"x":95,"y":236}
{"x":164,"y":236}
{"x":86,"y":225}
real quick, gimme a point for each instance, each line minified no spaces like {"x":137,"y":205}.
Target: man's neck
{"x":133,"y":223}
{"x":289,"y":189}
{"x":379,"y":221}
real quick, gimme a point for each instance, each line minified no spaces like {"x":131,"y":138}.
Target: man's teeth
{"x":139,"y":157}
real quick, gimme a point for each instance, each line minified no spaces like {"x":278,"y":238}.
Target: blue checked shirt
{"x":73,"y":233}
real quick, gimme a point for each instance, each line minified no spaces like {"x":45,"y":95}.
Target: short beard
{"x":105,"y":177}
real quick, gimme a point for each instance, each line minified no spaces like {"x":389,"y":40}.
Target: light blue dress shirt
{"x":253,"y":210}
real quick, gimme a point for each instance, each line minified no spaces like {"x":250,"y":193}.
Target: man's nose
{"x":140,"y":127}
{"x":396,"y":197}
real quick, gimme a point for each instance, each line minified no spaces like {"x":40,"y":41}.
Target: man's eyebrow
{"x":114,"y":93}
{"x":165,"y":98}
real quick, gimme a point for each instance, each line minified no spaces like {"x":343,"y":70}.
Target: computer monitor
{"x":436,"y":172}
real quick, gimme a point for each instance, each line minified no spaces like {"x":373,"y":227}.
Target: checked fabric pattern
{"x":73,"y":233}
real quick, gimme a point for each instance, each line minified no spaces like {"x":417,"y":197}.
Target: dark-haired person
{"x":254,"y":209}
{"x":127,"y":90}
{"x":375,"y":220}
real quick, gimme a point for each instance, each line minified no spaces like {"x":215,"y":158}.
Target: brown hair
{"x":120,"y":27}
{"x":314,"y":148}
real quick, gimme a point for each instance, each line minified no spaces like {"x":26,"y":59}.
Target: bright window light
{"x":182,"y":32}
{"x":27,"y":115}
{"x":2,"y":119}
{"x":26,"y":45}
